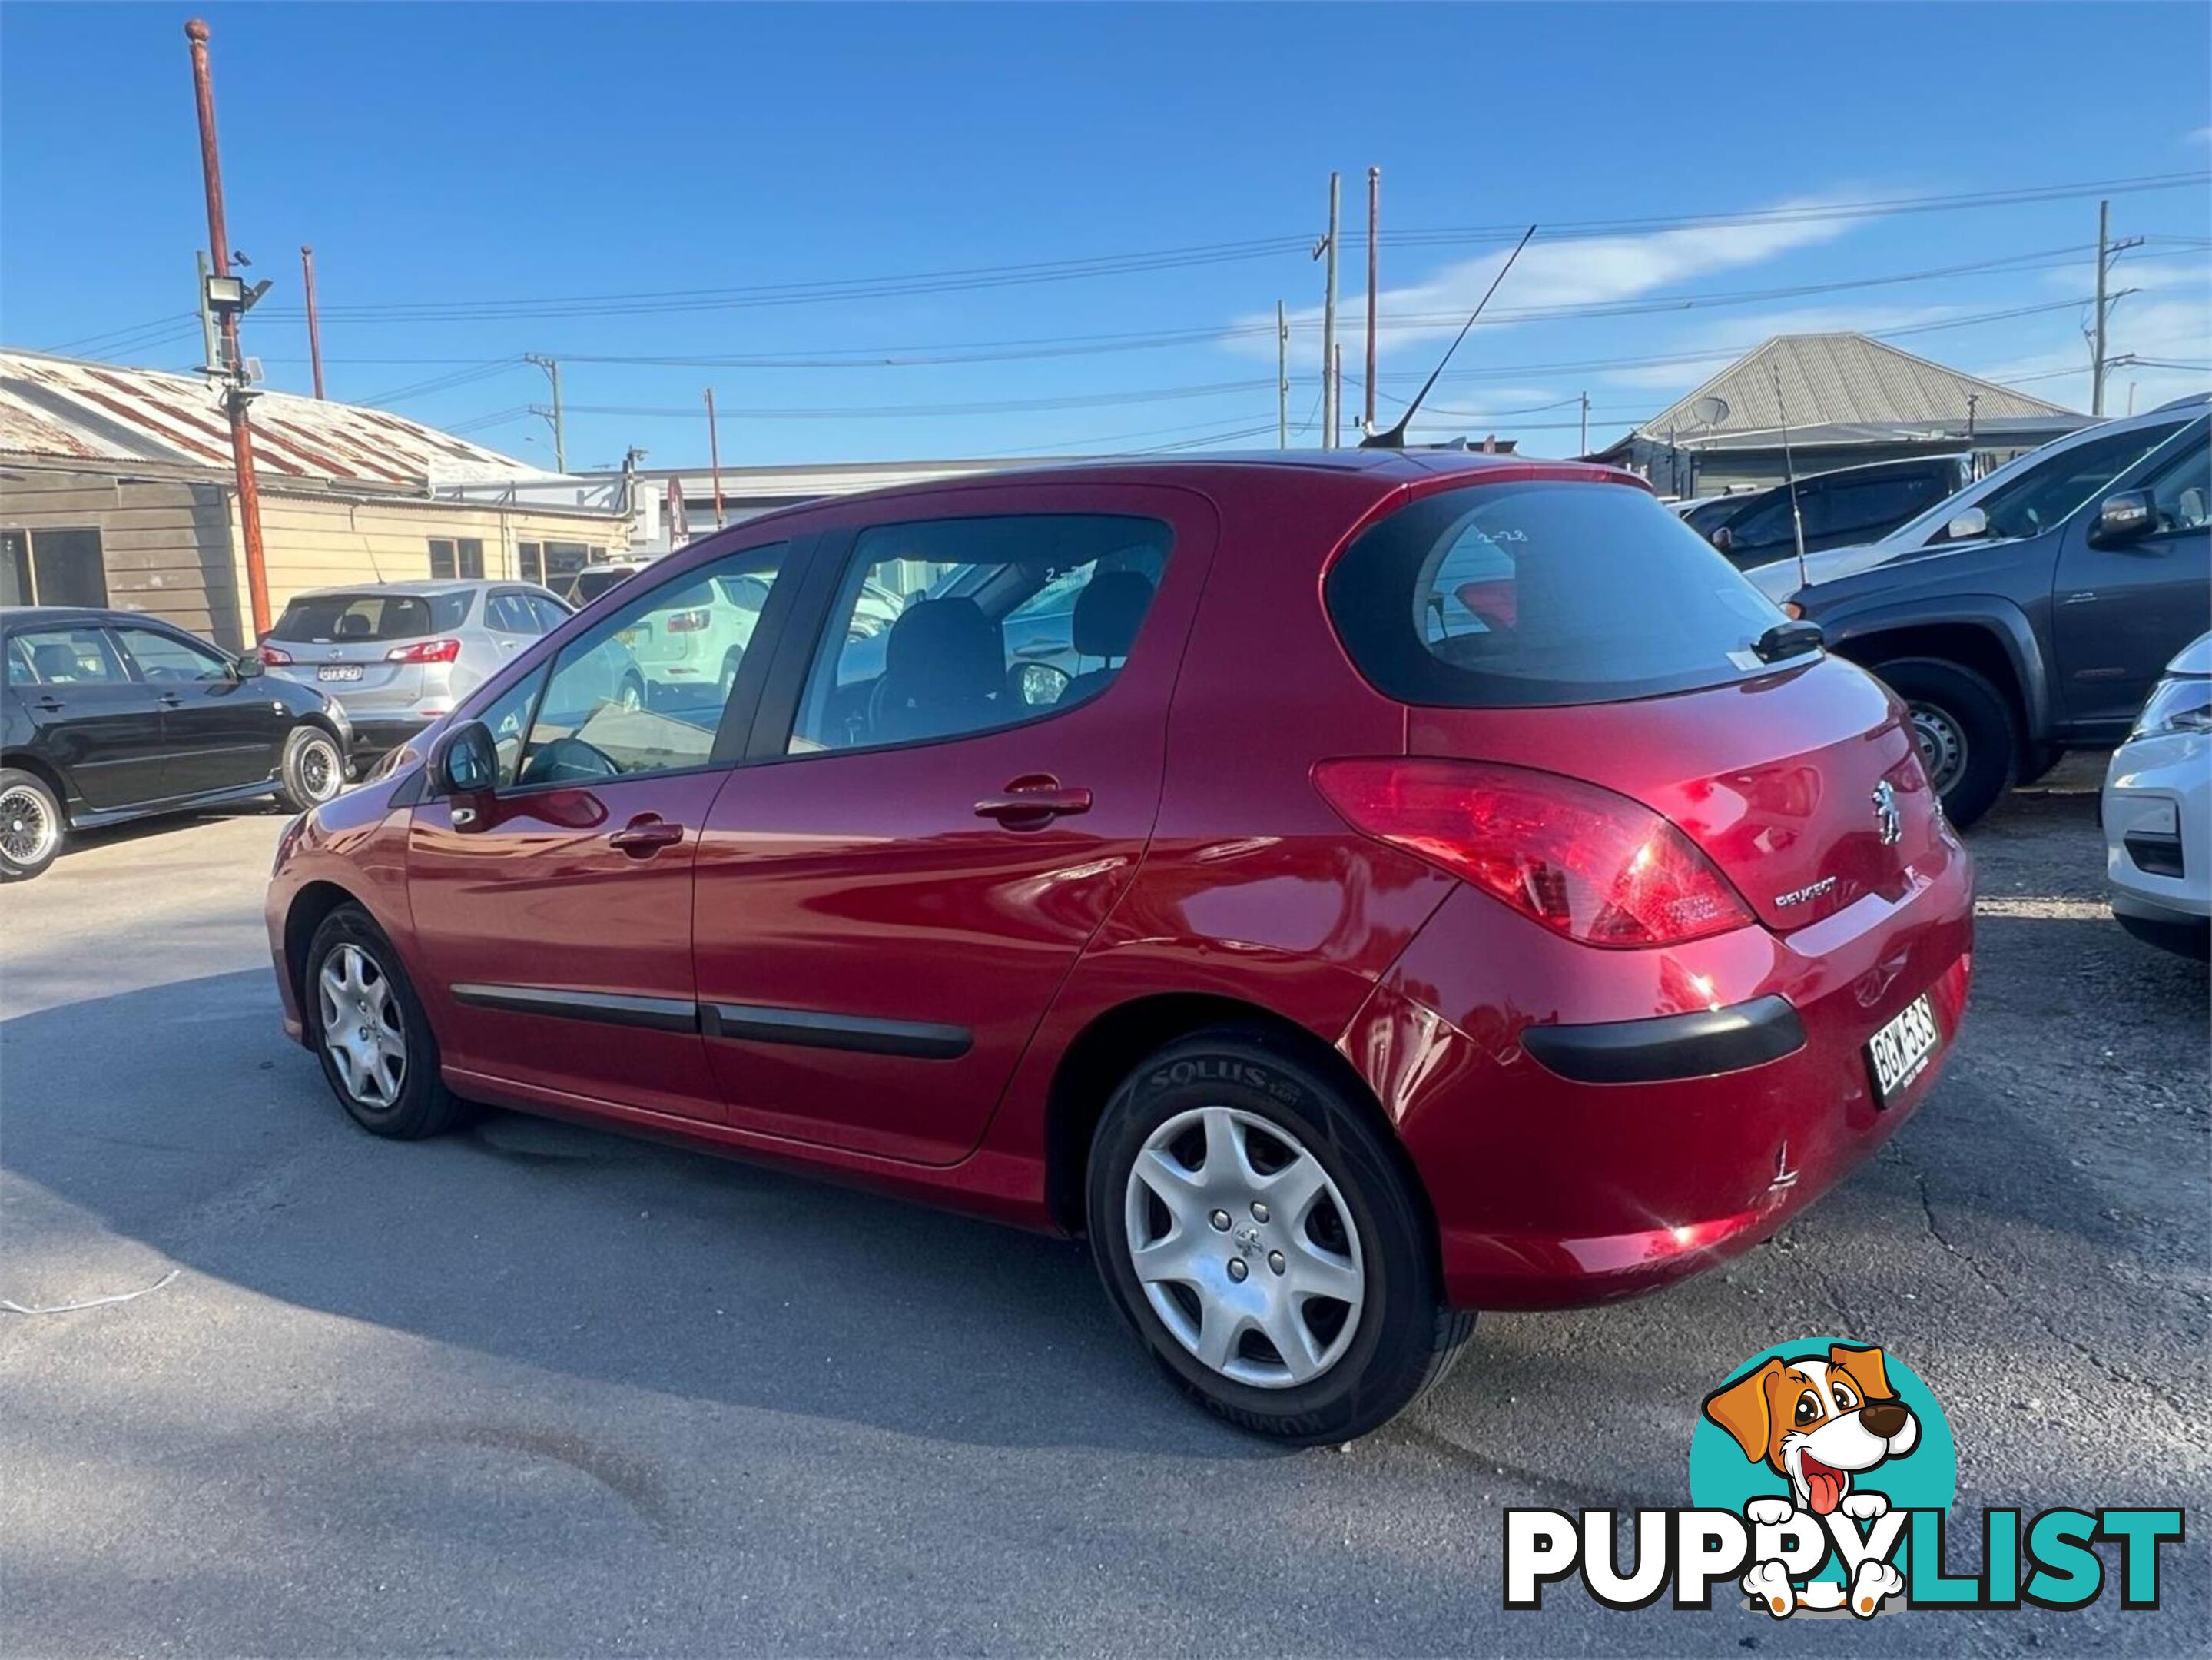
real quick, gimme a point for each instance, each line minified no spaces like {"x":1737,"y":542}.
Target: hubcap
{"x":28,"y":829}
{"x":1942,"y":746}
{"x":1245,"y":1247}
{"x":361,"y":1029}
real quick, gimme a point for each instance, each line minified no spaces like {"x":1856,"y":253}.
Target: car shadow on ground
{"x":566,"y":1248}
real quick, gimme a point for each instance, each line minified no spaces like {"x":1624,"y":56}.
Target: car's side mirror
{"x":1968,"y":525}
{"x":468,"y":766}
{"x":248,"y":667}
{"x":2126,"y":516}
{"x":1723,"y":538}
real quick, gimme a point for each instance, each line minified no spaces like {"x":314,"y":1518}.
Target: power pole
{"x":232,"y":303}
{"x":1336,"y":379}
{"x":2105,"y":249}
{"x":209,"y":364}
{"x":552,"y":416}
{"x":2097,"y":333}
{"x":1585,"y":448}
{"x":314,"y":328}
{"x":1282,"y":377}
{"x":714,"y":453}
{"x":1331,"y":389}
{"x":1374,"y":234}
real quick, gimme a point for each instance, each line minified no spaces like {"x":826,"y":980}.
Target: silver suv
{"x":399,"y":655}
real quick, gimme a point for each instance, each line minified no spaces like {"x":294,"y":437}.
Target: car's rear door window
{"x":1542,"y":592}
{"x":945,"y":627}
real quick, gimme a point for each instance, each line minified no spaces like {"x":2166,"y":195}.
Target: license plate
{"x":339,"y":672}
{"x":1901,"y":1050}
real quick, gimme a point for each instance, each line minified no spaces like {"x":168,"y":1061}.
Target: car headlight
{"x":2183,"y":702}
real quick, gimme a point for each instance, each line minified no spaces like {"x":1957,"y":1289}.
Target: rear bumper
{"x":1593,"y":1125}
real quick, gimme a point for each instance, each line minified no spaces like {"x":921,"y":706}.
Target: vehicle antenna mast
{"x":1394,"y":439}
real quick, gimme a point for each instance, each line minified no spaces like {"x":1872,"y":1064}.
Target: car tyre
{"x":359,"y":1009}
{"x":630,"y":696}
{"x":33,"y":826}
{"x":1243,"y":1107}
{"x":1964,"y":727}
{"x":313,"y":768}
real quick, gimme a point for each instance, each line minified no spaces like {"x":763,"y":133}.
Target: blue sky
{"x":465,"y":159}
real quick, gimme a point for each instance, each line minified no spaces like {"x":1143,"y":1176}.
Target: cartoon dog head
{"x":1817,"y":1420}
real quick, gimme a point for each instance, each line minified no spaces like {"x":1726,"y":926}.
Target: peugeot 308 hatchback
{"x":1443,"y":884}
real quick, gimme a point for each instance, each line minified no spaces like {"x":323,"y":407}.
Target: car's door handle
{"x":1032,"y":802}
{"x":645,"y":836}
{"x":51,"y":705}
{"x":170,"y":699}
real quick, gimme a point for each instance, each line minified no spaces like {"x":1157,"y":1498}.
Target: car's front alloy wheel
{"x":363,"y":1032}
{"x":369,"y":1031}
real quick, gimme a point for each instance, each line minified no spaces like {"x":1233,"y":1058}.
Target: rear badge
{"x":1810,"y":891}
{"x":1885,"y":818}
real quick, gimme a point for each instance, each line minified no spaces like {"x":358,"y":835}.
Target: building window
{"x":533,"y":561}
{"x":564,"y":558}
{"x":51,"y":568}
{"x":450,"y":558}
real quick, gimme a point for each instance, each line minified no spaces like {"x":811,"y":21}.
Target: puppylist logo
{"x":1822,"y":1474}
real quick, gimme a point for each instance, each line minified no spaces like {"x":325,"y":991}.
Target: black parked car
{"x":107,"y":715}
{"x":2049,"y":635}
{"x":1842,"y":507}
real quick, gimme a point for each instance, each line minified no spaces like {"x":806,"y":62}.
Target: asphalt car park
{"x":535,"y":1388}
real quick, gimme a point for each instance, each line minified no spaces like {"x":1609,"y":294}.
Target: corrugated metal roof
{"x":61,"y":408}
{"x":1840,"y":380}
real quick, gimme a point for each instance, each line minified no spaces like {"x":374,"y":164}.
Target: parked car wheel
{"x":1964,"y":728}
{"x":1258,"y":1234}
{"x":631,"y":695}
{"x":313,"y":768}
{"x":367,"y":1028}
{"x":32,"y":824}
{"x":726,"y":681}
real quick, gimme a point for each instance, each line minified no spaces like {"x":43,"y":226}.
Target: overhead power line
{"x":648,"y":301}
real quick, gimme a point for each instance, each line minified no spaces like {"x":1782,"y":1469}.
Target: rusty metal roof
{"x":1840,"y":380}
{"x":64,"y":408}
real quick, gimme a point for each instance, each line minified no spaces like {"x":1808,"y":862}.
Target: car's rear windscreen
{"x":338,"y":618}
{"x":1542,"y":592}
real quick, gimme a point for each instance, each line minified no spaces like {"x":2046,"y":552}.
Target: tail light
{"x":1586,"y":863}
{"x":273,"y":656}
{"x":687,"y":622}
{"x":425,"y":651}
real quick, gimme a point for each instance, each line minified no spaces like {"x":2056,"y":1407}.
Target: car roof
{"x":1384,"y":470}
{"x":417,"y":590}
{"x":55,"y":616}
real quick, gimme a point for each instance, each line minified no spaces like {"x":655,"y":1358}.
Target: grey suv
{"x":399,"y":655}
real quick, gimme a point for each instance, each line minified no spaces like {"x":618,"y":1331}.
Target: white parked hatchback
{"x":2158,"y":812}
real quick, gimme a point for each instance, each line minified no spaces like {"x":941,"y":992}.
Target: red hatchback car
{"x":1355,"y":890}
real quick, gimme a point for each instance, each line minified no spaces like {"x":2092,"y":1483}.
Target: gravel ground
{"x":537,"y":1390}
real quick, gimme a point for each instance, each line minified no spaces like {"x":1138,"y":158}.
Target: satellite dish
{"x":1710,"y":410}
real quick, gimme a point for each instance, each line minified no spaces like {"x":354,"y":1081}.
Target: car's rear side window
{"x":1542,"y":592}
{"x":337,"y":618}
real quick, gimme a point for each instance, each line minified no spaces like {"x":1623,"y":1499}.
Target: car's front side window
{"x":993,"y":621}
{"x":615,"y":704}
{"x":2183,"y":492}
{"x":2047,"y":495}
{"x":164,"y":657}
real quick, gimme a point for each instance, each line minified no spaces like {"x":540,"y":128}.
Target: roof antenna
{"x":1394,"y":439}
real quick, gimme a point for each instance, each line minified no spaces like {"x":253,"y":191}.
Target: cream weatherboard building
{"x":116,"y":489}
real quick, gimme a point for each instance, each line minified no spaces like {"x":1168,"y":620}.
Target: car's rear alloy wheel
{"x":31,"y":825}
{"x":312,"y":771}
{"x":368,"y":1027}
{"x":1963,"y":727}
{"x":1256,"y":1223}
{"x":1244,"y":1247}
